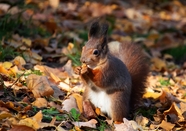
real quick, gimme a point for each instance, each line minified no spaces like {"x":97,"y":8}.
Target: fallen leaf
{"x":88,"y":111}
{"x":143,"y":121}
{"x":5,"y":114}
{"x":126,"y":126}
{"x":40,"y":102}
{"x":28,"y":42}
{"x":7,"y":65}
{"x":153,"y":95}
{"x":21,"y":128}
{"x":54,"y":3}
{"x":30,"y":123}
{"x":19,"y":61}
{"x":79,"y":101}
{"x":158,"y":64}
{"x":173,"y":111}
{"x":91,"y":123}
{"x":38,"y":117}
{"x":39,"y":85}
{"x":69,"y":103}
{"x":168,"y":97}
{"x":167,"y":125}
{"x":10,"y":105}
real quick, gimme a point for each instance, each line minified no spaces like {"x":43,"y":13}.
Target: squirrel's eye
{"x":96,"y":52}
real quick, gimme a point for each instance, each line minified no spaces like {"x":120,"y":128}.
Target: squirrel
{"x":114,"y":73}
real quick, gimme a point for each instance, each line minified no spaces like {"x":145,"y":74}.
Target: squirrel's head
{"x":95,"y":51}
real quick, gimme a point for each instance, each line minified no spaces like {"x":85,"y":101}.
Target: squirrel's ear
{"x":104,"y":29}
{"x":103,"y":33}
{"x":94,"y":29}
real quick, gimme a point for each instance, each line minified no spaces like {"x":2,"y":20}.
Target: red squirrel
{"x":114,"y":73}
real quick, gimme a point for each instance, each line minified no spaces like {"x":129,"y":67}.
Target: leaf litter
{"x":41,"y":43}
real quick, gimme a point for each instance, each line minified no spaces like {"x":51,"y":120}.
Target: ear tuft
{"x":104,"y":29}
{"x":94,"y":29}
{"x":98,"y":29}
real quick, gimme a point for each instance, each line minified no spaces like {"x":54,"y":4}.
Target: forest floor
{"x":40,"y":45}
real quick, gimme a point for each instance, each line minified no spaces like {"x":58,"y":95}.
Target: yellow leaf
{"x":28,"y":42}
{"x":174,"y":110}
{"x":7,"y":65}
{"x":38,"y":117}
{"x":30,"y":123}
{"x":54,"y":77}
{"x":167,"y":125}
{"x":79,"y":101}
{"x":158,"y":64}
{"x":153,"y":95}
{"x":40,"y":102}
{"x":4,"y":114}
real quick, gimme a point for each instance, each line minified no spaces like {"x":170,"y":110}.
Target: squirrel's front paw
{"x":77,"y":70}
{"x":81,"y":70}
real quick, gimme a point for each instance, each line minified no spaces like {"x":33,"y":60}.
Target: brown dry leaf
{"x":51,"y":26}
{"x":183,"y":106}
{"x":36,"y":56}
{"x":59,"y":128}
{"x":40,"y":102}
{"x":16,"y":86}
{"x":12,"y":121}
{"x":167,"y":97}
{"x":64,"y":86}
{"x":154,"y":35}
{"x":9,"y":105}
{"x":54,"y":77}
{"x":174,"y":109}
{"x":88,"y":110}
{"x":167,"y":125}
{"x":57,"y":92}
{"x":30,"y":123}
{"x":41,"y":42}
{"x":21,"y":128}
{"x":39,"y":85}
{"x":158,"y":64}
{"x":79,"y":101}
{"x":5,"y":114}
{"x":143,"y":121}
{"x":126,"y":126}
{"x":54,"y":3}
{"x":91,"y":123}
{"x":38,"y":117}
{"x":19,"y":62}
{"x":54,"y":73}
{"x":33,"y":122}
{"x":69,"y":103}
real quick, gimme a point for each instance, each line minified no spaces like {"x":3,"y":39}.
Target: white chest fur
{"x":101,"y":100}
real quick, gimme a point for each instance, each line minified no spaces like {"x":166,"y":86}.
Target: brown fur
{"x":119,"y":72}
{"x":138,"y":67}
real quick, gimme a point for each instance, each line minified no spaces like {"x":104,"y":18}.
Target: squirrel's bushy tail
{"x":138,"y":67}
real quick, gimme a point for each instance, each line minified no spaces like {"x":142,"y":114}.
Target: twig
{"x":16,"y":82}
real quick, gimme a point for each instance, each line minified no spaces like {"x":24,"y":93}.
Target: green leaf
{"x":50,"y":111}
{"x":75,"y":115}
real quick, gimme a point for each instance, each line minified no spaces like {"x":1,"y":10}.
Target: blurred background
{"x":54,"y":31}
